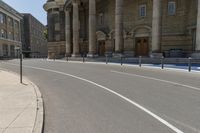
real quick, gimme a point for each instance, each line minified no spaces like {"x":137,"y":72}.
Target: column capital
{"x":67,"y":10}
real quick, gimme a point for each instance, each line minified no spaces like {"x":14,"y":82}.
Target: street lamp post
{"x":21,"y":57}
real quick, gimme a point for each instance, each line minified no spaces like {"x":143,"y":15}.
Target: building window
{"x":57,"y":26}
{"x":142,"y":10}
{"x":2,"y":18}
{"x":10,"y":35}
{"x":10,"y":21}
{"x":3,"y":33}
{"x":12,"y":51}
{"x":16,"y":25}
{"x":16,"y":36}
{"x":5,"y":50}
{"x":101,"y":19}
{"x":171,"y":8}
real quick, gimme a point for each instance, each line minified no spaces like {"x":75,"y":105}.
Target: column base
{"x":68,"y":55}
{"x":156,"y":55}
{"x":76,"y":55}
{"x":196,"y":55}
{"x":117,"y":54}
{"x":129,"y":53}
{"x":92,"y":55}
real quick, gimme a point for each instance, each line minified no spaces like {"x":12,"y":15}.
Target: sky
{"x":34,"y":7}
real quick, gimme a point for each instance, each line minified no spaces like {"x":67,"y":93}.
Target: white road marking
{"x":172,"y":127}
{"x":156,"y":79}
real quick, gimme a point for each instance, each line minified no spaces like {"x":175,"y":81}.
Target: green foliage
{"x":45,"y":33}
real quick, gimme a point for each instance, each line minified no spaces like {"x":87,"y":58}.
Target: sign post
{"x":21,"y":57}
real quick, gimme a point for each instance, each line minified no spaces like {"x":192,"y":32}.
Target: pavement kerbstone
{"x":21,"y":105}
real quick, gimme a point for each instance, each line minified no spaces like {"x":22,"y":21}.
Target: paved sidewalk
{"x":21,"y":108}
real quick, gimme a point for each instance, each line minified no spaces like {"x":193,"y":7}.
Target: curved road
{"x":95,"y":98}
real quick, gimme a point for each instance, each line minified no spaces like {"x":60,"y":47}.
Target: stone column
{"x":156,"y":26}
{"x":197,"y":47}
{"x":67,"y":33}
{"x":119,"y":41}
{"x":76,"y":48}
{"x":50,"y":27}
{"x":92,"y":29}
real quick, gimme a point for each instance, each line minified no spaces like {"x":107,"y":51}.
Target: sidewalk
{"x":21,"y":107}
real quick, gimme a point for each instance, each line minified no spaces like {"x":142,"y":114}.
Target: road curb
{"x":129,"y":65}
{"x":39,"y":120}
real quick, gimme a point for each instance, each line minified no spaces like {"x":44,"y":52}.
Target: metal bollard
{"x":106,"y":59}
{"x":21,"y":58}
{"x":121,"y":59}
{"x":140,"y":61}
{"x":189,"y":64}
{"x":162,"y":62}
{"x":67,"y":58}
{"x":83,"y":58}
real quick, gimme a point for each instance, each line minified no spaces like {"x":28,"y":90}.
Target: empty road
{"x":99,"y":98}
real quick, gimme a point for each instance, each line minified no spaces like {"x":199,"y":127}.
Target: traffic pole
{"x":21,"y":57}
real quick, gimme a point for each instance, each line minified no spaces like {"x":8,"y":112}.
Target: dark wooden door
{"x":101,"y":48}
{"x":142,"y":47}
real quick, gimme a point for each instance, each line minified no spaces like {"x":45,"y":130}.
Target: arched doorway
{"x":101,"y":47}
{"x":142,"y":41}
{"x":142,"y":46}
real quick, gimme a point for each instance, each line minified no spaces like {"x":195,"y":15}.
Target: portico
{"x":85,"y":18}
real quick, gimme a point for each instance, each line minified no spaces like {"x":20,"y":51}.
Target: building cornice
{"x":9,"y":40}
{"x":50,"y":5}
{"x":6,"y":8}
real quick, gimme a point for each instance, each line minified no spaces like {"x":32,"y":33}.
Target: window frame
{"x":172,"y":4}
{"x":101,"y":19}
{"x":141,"y":11}
{"x":3,"y":18}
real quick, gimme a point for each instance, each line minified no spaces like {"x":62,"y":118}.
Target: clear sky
{"x":35,"y":7}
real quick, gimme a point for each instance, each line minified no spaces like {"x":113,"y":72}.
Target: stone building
{"x":10,"y":31}
{"x":34,"y":42}
{"x":132,"y":27}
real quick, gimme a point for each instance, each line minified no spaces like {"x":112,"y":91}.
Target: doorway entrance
{"x":101,"y":48}
{"x":142,"y":47}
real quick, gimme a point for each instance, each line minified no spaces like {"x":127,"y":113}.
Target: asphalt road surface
{"x":99,"y":98}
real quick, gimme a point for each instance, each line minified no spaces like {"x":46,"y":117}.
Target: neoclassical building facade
{"x":131,"y":27}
